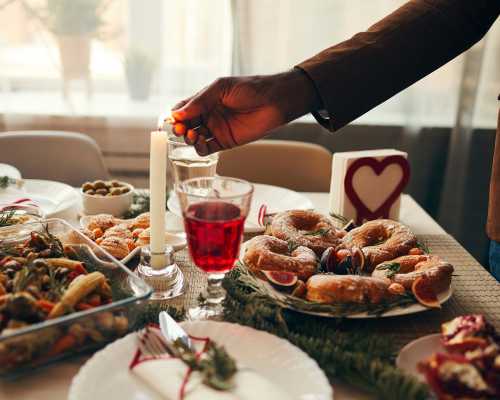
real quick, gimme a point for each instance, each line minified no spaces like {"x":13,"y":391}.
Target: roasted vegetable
{"x":76,"y":292}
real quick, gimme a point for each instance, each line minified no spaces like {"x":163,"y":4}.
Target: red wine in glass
{"x":214,"y":230}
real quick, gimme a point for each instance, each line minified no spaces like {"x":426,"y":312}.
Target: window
{"x":173,"y":48}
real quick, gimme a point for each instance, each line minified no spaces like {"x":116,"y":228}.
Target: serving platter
{"x":273,"y":357}
{"x":275,"y":198}
{"x":392,"y":312}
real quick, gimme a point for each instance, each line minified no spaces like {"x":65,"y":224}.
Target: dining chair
{"x":299,"y":166}
{"x":68,"y":157}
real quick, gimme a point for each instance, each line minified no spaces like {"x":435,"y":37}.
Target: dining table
{"x":474,"y":291}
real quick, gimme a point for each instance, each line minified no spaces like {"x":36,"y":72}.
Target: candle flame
{"x":162,"y":120}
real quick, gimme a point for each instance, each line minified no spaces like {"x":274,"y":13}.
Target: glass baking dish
{"x":39,"y":343}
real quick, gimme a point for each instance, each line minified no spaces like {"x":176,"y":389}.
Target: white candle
{"x":157,"y":189}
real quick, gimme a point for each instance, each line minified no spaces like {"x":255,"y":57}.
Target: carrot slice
{"x":45,"y":305}
{"x":83,"y":306}
{"x":62,"y":344}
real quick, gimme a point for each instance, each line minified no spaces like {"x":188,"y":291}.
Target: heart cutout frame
{"x":363,"y":213}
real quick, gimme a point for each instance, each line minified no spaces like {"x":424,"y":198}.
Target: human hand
{"x":237,"y":110}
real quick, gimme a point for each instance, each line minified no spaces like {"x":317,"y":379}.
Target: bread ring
{"x":306,"y":228}
{"x":328,"y":289}
{"x":437,"y":272}
{"x":380,"y":240}
{"x":267,"y":253}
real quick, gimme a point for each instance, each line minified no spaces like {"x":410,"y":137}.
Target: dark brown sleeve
{"x":364,"y":71}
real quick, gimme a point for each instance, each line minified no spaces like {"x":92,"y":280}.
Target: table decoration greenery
{"x":361,"y":359}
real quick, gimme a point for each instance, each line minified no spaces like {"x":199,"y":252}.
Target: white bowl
{"x":114,"y":205}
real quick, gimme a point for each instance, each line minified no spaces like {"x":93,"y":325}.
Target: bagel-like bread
{"x":267,"y":253}
{"x":328,"y":289}
{"x":436,"y":272}
{"x":380,"y":240}
{"x":307,"y":228}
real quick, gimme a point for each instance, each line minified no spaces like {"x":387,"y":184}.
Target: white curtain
{"x":276,"y":34}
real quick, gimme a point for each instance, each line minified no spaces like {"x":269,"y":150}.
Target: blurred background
{"x":109,"y":68}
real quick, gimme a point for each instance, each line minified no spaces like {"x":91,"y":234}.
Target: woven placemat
{"x":474,"y":291}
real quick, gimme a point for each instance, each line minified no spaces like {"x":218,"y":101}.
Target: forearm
{"x":292,"y":92}
{"x":364,"y":71}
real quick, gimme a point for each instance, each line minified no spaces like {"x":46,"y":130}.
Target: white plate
{"x":418,"y":350}
{"x":394,"y":312}
{"x":55,"y":199}
{"x":276,"y":199}
{"x":10,"y":171}
{"x":106,"y":374}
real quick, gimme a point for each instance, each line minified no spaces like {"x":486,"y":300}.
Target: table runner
{"x":474,"y":291}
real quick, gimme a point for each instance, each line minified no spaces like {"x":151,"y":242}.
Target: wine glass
{"x":214,"y":211}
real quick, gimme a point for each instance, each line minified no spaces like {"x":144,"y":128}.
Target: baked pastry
{"x":380,"y":240}
{"x":306,"y":228}
{"x":101,"y":221}
{"x":120,"y":231}
{"x":406,"y":269}
{"x":329,"y":289}
{"x":117,"y":247}
{"x":267,"y":253}
{"x":141,"y":221}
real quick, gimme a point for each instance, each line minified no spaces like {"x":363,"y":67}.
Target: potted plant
{"x":139,"y":69}
{"x":74,"y":23}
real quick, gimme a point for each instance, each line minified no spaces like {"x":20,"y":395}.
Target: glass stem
{"x":215,"y":291}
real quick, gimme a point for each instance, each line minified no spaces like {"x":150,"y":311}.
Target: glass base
{"x":211,"y":308}
{"x":166,"y":279}
{"x":205,"y":313}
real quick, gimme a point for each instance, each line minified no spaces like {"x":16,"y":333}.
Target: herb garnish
{"x":340,"y":218}
{"x":215,"y":365}
{"x":7,"y":217}
{"x":392,"y":269}
{"x":292,"y":246}
{"x":319,"y":232}
{"x":422,"y":246}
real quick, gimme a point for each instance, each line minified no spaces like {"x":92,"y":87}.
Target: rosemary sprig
{"x":292,"y":246}
{"x":215,"y":365}
{"x":343,"y":220}
{"x":422,"y":246}
{"x":7,"y":218}
{"x":319,"y":232}
{"x":391,"y":269}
